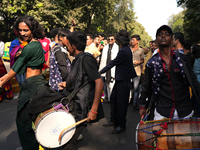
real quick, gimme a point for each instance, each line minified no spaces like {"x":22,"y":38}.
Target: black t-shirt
{"x":90,"y":67}
{"x":61,"y":58}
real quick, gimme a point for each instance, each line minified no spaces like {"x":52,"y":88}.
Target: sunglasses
{"x":110,"y":39}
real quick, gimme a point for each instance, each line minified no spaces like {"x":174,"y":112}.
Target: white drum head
{"x":50,"y":126}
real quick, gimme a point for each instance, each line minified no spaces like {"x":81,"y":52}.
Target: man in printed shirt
{"x":166,"y":80}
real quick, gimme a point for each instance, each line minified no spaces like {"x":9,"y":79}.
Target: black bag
{"x":72,"y":105}
{"x":42,"y":101}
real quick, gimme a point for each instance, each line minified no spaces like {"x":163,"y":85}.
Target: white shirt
{"x":155,"y":51}
{"x":2,"y":47}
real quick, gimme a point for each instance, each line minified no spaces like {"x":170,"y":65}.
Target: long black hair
{"x":36,"y":29}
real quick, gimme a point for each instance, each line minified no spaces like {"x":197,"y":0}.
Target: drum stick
{"x":77,"y":123}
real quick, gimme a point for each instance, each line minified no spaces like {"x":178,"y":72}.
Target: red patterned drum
{"x":168,"y":134}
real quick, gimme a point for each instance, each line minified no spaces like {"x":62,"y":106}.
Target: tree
{"x":10,"y":10}
{"x":91,"y":16}
{"x":191,"y":19}
{"x":176,"y":22}
{"x":145,"y":38}
{"x":124,"y":16}
{"x":49,"y":13}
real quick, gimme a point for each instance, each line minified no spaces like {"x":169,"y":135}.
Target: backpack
{"x":55,"y":75}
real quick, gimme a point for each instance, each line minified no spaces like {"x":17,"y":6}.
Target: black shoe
{"x":106,"y":101}
{"x":118,"y":130}
{"x":131,"y":101}
{"x":135,"y":107}
{"x":110,"y":123}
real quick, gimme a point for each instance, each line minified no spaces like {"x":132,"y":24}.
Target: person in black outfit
{"x":120,"y":94}
{"x":87,"y":99}
{"x":187,"y":51}
{"x":165,"y":78}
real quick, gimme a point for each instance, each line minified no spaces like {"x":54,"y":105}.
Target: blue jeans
{"x":136,"y":82}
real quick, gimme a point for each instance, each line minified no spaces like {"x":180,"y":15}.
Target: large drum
{"x":48,"y":126}
{"x":168,"y":134}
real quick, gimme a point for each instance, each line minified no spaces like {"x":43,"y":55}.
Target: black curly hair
{"x":36,"y":29}
{"x":123,"y":37}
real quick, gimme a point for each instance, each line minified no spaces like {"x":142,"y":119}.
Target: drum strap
{"x":188,"y":77}
{"x":70,"y":96}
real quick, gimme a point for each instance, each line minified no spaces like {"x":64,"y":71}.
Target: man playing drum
{"x":30,"y":61}
{"x":166,"y":80}
{"x":83,"y":69}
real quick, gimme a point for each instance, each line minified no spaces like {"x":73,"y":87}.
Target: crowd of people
{"x":163,"y":77}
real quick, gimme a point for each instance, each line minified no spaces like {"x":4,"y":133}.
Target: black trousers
{"x":119,"y":102}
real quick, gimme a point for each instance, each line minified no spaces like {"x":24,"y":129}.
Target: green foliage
{"x":91,"y":16}
{"x":176,"y":22}
{"x":145,"y":38}
{"x":191,"y":19}
{"x":124,"y":17}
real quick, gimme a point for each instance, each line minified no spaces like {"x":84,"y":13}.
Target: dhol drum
{"x":168,"y":134}
{"x":49,"y":124}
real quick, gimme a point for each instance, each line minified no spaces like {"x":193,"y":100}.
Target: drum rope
{"x":156,"y":148}
{"x":164,"y":125}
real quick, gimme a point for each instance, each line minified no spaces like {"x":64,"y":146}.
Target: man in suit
{"x":120,"y":93}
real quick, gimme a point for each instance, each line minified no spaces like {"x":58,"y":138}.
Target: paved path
{"x":96,"y":137}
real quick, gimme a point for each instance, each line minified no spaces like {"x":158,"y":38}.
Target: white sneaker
{"x":80,"y":137}
{"x":19,"y":148}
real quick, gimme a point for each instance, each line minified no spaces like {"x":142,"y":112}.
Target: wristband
{"x":94,"y":112}
{"x":73,"y":25}
{"x":141,"y":107}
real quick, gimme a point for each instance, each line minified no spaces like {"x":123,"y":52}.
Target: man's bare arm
{"x":97,"y":98}
{"x":73,"y":25}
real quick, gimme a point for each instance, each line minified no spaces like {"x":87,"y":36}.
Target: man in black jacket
{"x":124,"y":72}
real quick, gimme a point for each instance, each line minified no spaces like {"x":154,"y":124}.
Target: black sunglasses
{"x":110,"y":39}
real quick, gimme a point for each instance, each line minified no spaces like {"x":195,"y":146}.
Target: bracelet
{"x":141,"y":107}
{"x":94,"y":112}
